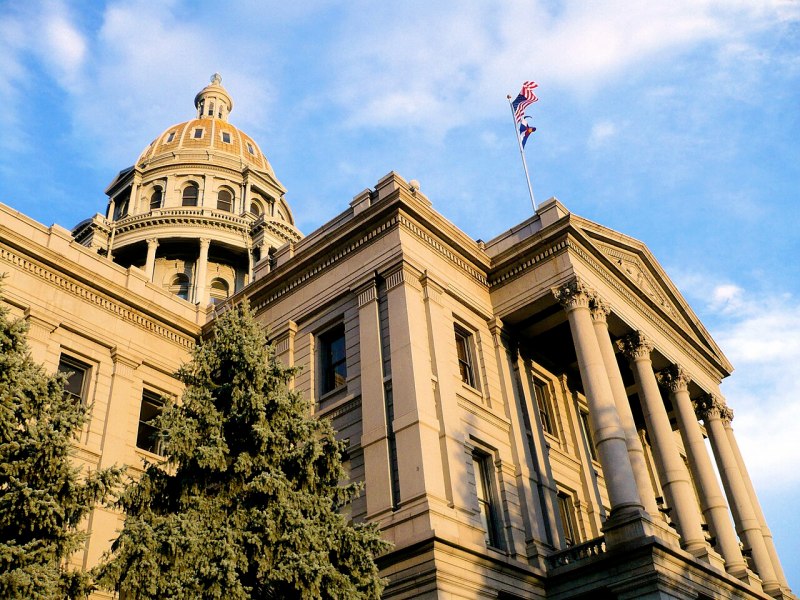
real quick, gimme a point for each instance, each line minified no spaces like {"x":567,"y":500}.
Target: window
{"x":219,"y":290}
{"x":226,"y":137}
{"x":120,"y":208}
{"x":180,"y":286}
{"x":255,"y":208}
{"x":224,"y":201}
{"x":190,"y":194}
{"x":147,"y":436}
{"x":333,"y":361}
{"x":77,"y":377}
{"x":251,"y":149}
{"x":155,"y":199}
{"x":465,"y":356}
{"x":544,"y":405}
{"x":487,"y":502}
{"x":210,"y":109}
{"x":587,"y":433}
{"x":198,"y":133}
{"x":171,"y":136}
{"x":566,"y":511}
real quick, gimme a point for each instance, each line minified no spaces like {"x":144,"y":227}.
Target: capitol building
{"x":537,"y":416}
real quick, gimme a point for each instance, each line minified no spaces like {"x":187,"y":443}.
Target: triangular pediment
{"x":633,"y":262}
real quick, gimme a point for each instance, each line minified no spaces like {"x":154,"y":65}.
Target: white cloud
{"x":601,"y":133}
{"x":62,"y":48}
{"x":453,"y":63}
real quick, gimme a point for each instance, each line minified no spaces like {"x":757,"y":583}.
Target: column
{"x":714,"y":413}
{"x":607,"y":431}
{"x":773,"y":552}
{"x":671,"y":469}
{"x":635,"y":451}
{"x":374,"y":442}
{"x":201,"y":274}
{"x":150,"y":263}
{"x":712,"y":501}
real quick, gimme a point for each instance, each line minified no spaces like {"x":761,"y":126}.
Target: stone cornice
{"x":288,"y":284}
{"x":87,"y":294}
{"x":184,"y":217}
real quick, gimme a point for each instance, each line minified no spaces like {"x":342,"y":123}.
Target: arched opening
{"x":156,"y":198}
{"x":256,"y":209}
{"x":190,"y":194}
{"x":219,"y":290}
{"x":225,"y":201}
{"x":180,"y":286}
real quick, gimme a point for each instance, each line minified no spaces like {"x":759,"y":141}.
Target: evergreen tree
{"x":246,"y":504}
{"x":43,"y":497}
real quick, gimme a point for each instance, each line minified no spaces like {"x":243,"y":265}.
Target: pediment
{"x":633,"y":262}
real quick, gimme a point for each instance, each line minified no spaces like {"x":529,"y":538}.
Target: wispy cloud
{"x":600,"y":133}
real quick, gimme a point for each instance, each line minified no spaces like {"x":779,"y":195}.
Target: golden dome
{"x":209,"y":136}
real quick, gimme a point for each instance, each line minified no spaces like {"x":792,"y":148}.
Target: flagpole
{"x":522,"y":154}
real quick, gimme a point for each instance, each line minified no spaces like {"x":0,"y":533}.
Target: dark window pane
{"x":464,"y":354}
{"x":190,"y":195}
{"x":224,"y":201}
{"x":147,"y":435}
{"x":333,"y":359}
{"x":77,"y":377}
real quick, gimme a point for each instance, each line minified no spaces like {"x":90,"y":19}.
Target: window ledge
{"x":331,"y":394}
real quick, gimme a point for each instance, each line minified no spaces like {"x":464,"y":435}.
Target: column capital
{"x":205,"y":242}
{"x":600,"y":310}
{"x":635,"y":346}
{"x":573,"y":294}
{"x":674,"y":378}
{"x":711,"y":406}
{"x":152,"y":241}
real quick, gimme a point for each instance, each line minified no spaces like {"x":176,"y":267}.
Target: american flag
{"x":525,"y":98}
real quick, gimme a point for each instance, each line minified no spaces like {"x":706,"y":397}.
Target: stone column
{"x":712,"y":501}
{"x":201,"y":274}
{"x":635,"y":451}
{"x":612,"y":449}
{"x":374,"y":442}
{"x":773,"y":552}
{"x":671,"y":469}
{"x":714,"y":413}
{"x":150,"y":263}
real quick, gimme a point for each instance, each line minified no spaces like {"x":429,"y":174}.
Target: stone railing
{"x":577,"y":553}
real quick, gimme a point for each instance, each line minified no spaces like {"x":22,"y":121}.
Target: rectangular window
{"x":198,"y":133}
{"x":171,"y":136}
{"x":544,"y":405}
{"x":77,"y":377}
{"x":250,"y":148}
{"x":566,"y":511}
{"x":487,"y":500}
{"x":587,"y":433}
{"x":465,"y":356}
{"x":226,"y":137}
{"x":147,"y":436}
{"x":333,"y":359}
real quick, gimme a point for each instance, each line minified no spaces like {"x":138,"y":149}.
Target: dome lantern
{"x":213,"y":101}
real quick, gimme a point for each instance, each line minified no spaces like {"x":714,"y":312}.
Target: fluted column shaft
{"x":150,"y":263}
{"x":713,"y":503}
{"x":200,"y":288}
{"x":713,"y":411}
{"x":672,"y":471}
{"x":634,"y":444}
{"x":607,"y":431}
{"x":773,"y":552}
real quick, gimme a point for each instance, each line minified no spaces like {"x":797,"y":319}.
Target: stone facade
{"x":528,"y":414}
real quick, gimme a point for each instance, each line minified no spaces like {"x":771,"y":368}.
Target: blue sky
{"x":676,"y":122}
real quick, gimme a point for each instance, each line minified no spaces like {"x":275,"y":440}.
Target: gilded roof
{"x":206,"y":134}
